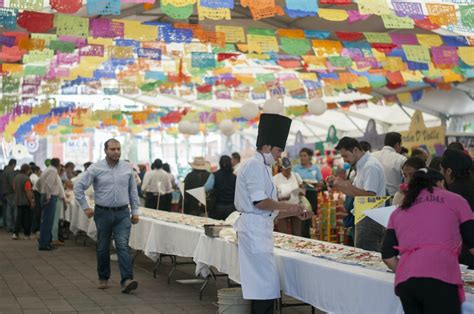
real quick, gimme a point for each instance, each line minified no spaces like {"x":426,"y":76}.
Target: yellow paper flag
{"x":326,"y":48}
{"x":467,"y":55}
{"x":212,"y":14}
{"x":137,"y":31}
{"x":414,"y":76}
{"x":404,"y":98}
{"x":450,"y":76}
{"x":333,"y":15}
{"x":393,"y":21}
{"x":233,"y":34}
{"x":417,"y":53}
{"x":178,"y":3}
{"x":377,"y":7}
{"x":365,"y":203}
{"x":260,"y":43}
{"x":428,"y":40}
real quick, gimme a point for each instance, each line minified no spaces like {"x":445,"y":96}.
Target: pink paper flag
{"x":445,"y":55}
{"x":404,"y":39}
{"x":355,"y":16}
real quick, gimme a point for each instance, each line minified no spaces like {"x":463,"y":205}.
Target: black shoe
{"x":129,"y":285}
{"x":47,"y":248}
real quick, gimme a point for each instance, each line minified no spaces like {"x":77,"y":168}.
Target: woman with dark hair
{"x":408,"y":169}
{"x":312,"y":178}
{"x":223,"y":183}
{"x":422,"y":243}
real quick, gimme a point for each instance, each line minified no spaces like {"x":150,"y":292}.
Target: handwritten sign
{"x":419,"y":133}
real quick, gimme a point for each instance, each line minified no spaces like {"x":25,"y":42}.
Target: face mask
{"x":269,"y":160}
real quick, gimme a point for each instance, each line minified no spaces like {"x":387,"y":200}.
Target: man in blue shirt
{"x":114,"y":190}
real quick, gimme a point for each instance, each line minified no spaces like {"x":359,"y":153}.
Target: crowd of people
{"x":434,"y":195}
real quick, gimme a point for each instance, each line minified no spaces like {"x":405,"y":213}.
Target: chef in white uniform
{"x":256,"y":200}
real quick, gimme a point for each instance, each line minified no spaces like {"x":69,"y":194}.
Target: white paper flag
{"x":199,"y":194}
{"x":381,"y":215}
{"x":181,"y":188}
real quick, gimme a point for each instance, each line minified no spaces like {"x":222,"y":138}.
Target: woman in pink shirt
{"x":422,"y":244}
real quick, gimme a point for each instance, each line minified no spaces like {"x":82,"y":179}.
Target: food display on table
{"x":188,"y":220}
{"x":330,"y":251}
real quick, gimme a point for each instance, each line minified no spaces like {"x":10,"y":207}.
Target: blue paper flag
{"x":155,"y":76}
{"x":203,"y":60}
{"x":149,"y":53}
{"x":313,"y":34}
{"x":228,"y":4}
{"x":8,"y":18}
{"x":103,"y":7}
{"x":301,"y":8}
{"x":176,"y":35}
{"x":455,"y":41}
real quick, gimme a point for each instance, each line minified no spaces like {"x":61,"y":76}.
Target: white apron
{"x":258,"y":271}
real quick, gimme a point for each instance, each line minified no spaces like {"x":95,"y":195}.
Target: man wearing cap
{"x":455,"y":166}
{"x":256,"y":200}
{"x":290,"y":189}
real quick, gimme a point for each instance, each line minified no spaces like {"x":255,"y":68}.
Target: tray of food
{"x":212,"y":230}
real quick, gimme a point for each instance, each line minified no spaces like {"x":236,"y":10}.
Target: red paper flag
{"x":426,"y":24}
{"x":224,"y":56}
{"x":66,"y":6}
{"x":35,"y":22}
{"x":207,"y":88}
{"x":349,"y":36}
{"x":385,"y":48}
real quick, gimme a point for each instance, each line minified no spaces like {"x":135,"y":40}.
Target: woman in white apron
{"x":256,"y":199}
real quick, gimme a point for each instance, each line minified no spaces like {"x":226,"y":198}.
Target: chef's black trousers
{"x":262,"y":306}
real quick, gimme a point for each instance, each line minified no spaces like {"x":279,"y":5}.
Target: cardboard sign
{"x":419,"y":134}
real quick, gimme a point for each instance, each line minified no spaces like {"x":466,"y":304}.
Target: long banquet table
{"x":327,"y":285}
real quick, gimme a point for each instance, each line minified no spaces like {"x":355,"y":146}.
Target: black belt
{"x":115,"y":209}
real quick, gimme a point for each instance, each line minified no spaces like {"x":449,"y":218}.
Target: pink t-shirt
{"x":429,"y":236}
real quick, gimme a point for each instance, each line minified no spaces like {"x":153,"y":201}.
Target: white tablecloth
{"x":155,"y":237}
{"x":329,"y":286}
{"x":80,"y":222}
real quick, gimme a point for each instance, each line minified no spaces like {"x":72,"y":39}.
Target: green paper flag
{"x":260,"y":31}
{"x":177,"y":13}
{"x":381,"y":38}
{"x":340,"y":62}
{"x":295,"y":46}
{"x":35,"y":70}
{"x":467,"y":15}
{"x":63,"y":46}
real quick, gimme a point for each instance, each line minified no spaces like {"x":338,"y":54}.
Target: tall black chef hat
{"x":273,"y":130}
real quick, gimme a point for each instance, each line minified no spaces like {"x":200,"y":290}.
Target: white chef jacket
{"x":258,"y":271}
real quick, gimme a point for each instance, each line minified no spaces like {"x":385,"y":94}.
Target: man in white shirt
{"x":369,"y":181}
{"x":52,"y":191}
{"x":392,"y":161}
{"x":156,"y":184}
